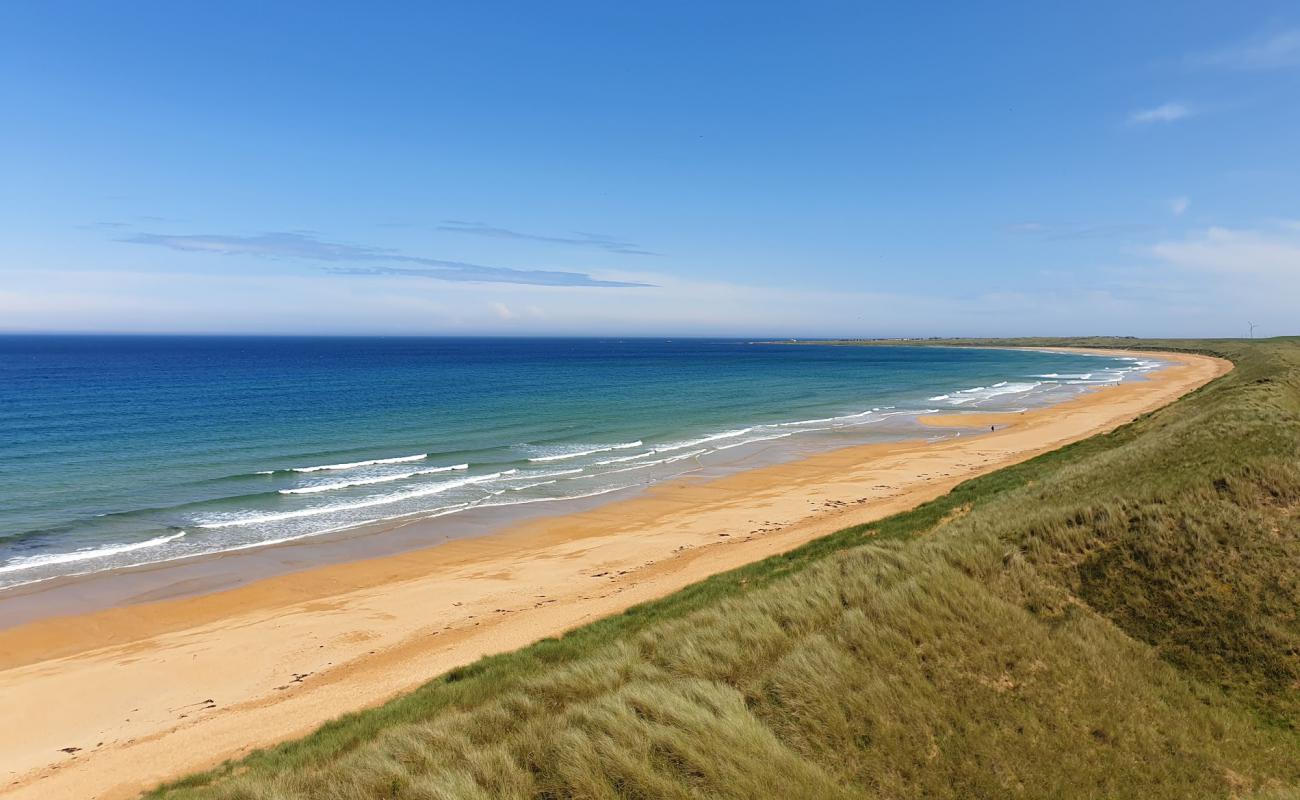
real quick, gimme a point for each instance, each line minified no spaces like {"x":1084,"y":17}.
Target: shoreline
{"x":222,"y":570}
{"x":78,"y":593}
{"x":339,"y":637}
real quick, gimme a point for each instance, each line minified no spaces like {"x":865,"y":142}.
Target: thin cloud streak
{"x":475,"y":273}
{"x":266,"y":245}
{"x":298,"y":245}
{"x":1166,"y":112}
{"x":598,"y":241}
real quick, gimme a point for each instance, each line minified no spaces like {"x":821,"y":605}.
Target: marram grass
{"x":1117,"y":618}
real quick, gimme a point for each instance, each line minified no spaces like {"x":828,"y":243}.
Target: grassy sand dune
{"x":1115,"y":618}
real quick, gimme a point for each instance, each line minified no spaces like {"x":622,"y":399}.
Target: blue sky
{"x":761,"y":169}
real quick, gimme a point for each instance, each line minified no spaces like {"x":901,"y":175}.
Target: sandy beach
{"x":109,"y":703}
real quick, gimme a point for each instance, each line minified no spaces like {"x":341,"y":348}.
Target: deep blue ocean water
{"x":117,"y":451}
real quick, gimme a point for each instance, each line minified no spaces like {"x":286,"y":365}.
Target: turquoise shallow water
{"x":117,"y":451}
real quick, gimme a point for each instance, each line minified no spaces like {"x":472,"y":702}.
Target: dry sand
{"x":107,"y":704}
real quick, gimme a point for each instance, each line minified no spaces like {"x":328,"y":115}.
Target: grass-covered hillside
{"x":1115,"y":619}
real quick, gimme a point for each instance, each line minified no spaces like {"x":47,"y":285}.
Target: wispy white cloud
{"x":1275,"y":50}
{"x":151,"y":301}
{"x":303,"y":245}
{"x":295,"y":244}
{"x":1201,"y":283}
{"x":1165,"y":112}
{"x":1234,"y":275}
{"x":579,"y":239}
{"x":1179,"y":205}
{"x":1262,"y":259}
{"x":1178,"y":288}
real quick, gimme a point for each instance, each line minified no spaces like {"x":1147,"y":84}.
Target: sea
{"x":119,"y":451}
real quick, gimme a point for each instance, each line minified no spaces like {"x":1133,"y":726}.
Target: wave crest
{"x":354,"y":464}
{"x":329,"y":487}
{"x":593,"y":451}
{"x":31,"y":562}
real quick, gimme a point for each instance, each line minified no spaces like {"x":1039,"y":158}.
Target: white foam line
{"x":329,"y":487}
{"x":684,"y":456}
{"x":810,"y":421}
{"x":880,"y":418}
{"x":621,"y":459}
{"x":376,"y":501}
{"x":32,"y":562}
{"x":696,"y":442}
{"x":826,"y":419}
{"x":680,"y":457}
{"x":633,"y":469}
{"x":355,"y":464}
{"x":979,"y":393}
{"x":596,"y":493}
{"x":530,"y":485}
{"x":580,"y":453}
{"x":760,"y":439}
{"x":442,"y":512}
{"x":426,"y":514}
{"x":527,"y":475}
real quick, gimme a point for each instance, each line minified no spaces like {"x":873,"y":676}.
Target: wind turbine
{"x":1252,"y":329}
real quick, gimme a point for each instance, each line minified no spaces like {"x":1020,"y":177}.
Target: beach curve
{"x":338,"y":638}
